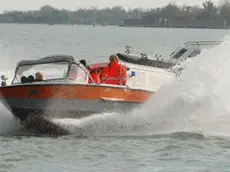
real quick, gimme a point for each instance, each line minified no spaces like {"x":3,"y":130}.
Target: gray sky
{"x":74,"y":4}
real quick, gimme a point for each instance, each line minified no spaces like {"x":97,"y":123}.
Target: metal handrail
{"x":202,"y":43}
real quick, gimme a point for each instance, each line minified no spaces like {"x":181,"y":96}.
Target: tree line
{"x":113,"y":16}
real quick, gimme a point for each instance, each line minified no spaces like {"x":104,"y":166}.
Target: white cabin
{"x":147,"y":78}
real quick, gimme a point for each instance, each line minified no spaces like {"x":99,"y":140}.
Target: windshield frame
{"x":80,"y":66}
{"x":34,"y":64}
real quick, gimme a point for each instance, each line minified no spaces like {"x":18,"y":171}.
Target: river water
{"x":183,"y":127}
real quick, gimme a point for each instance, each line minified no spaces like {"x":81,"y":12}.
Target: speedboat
{"x":60,"y":96}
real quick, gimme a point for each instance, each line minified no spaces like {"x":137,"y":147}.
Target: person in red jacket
{"x":95,"y":74}
{"x":114,"y":73}
{"x":123,"y":74}
{"x":105,"y":74}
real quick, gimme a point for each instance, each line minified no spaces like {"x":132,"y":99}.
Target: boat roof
{"x":48,"y":59}
{"x":144,"y":61}
{"x":201,"y":43}
{"x":188,"y":49}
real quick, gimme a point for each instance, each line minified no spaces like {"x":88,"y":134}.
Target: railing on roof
{"x":195,"y":43}
{"x":199,"y":43}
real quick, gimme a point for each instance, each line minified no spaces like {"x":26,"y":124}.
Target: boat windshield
{"x":49,"y":71}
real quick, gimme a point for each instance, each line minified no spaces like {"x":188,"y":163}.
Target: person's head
{"x":113,"y":59}
{"x":38,"y":76}
{"x":83,"y":62}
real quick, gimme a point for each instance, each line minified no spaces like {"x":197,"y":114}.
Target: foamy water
{"x":196,"y":101}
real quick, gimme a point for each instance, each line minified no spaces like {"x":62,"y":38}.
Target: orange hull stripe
{"x":82,"y":92}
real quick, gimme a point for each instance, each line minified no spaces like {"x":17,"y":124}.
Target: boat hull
{"x":69,"y":101}
{"x":22,"y":108}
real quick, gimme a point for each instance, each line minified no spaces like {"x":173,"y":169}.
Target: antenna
{"x":127,"y":49}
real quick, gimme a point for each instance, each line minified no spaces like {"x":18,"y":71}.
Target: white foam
{"x":197,"y":101}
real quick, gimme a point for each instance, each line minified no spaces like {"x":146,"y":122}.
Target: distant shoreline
{"x":119,"y":26}
{"x":208,"y":16}
{"x":172,"y":27}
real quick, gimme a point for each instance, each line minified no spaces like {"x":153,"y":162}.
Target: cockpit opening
{"x":41,"y":72}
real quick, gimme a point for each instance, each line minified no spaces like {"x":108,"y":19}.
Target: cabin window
{"x":77,"y":73}
{"x":180,"y":53}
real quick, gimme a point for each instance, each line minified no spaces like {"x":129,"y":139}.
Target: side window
{"x":77,"y":73}
{"x":194,"y":53}
{"x":180,"y":53}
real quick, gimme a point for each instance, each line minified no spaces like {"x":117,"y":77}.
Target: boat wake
{"x":197,"y":102}
{"x":41,"y":125}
